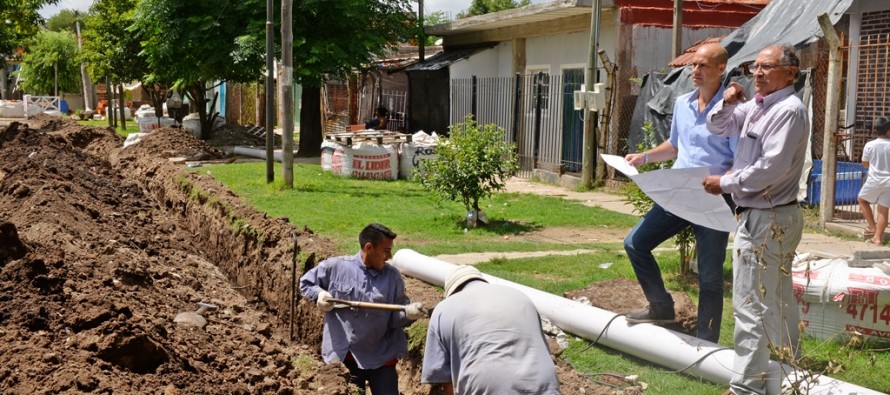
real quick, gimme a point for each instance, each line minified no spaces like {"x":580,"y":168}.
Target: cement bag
{"x":12,"y":109}
{"x":422,"y":146}
{"x":836,"y":300}
{"x":145,"y":111}
{"x":367,"y":161}
{"x":147,"y":124}
{"x":327,"y":153}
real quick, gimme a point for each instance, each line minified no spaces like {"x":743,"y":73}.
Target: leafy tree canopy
{"x":51,"y":55}
{"x":333,"y":37}
{"x":62,"y":22}
{"x":432,"y":19}
{"x":18,"y":21}
{"x":482,"y":7}
{"x":110,"y":50}
{"x":202,"y":41}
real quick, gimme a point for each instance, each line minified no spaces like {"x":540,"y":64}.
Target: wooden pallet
{"x":378,"y":136}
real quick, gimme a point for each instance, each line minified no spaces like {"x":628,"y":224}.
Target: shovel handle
{"x":369,"y":305}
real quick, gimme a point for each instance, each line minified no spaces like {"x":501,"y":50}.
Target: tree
{"x":432,"y":19}
{"x":19,"y":20}
{"x":482,"y":7}
{"x":200,"y":43}
{"x":471,"y":164}
{"x":114,"y":52}
{"x":62,"y":22}
{"x":326,"y":44}
{"x":50,"y":64}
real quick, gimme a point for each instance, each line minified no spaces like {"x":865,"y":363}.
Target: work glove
{"x":414,"y":311}
{"x":323,"y":302}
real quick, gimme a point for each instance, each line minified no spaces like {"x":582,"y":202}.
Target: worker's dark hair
{"x":383,"y":111}
{"x":373,"y":233}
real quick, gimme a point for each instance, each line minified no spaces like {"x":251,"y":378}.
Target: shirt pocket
{"x":341,"y":291}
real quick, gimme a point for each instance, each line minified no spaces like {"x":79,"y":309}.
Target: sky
{"x":451,"y":7}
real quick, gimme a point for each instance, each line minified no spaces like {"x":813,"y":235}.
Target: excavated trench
{"x":101,"y":247}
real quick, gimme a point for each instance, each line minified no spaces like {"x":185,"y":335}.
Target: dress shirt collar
{"x":773,"y":98}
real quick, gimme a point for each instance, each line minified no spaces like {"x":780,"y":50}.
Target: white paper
{"x":680,"y":192}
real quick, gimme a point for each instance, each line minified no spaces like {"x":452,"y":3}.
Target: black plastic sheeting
{"x":782,"y":22}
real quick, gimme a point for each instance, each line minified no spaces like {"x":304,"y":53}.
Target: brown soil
{"x":102,"y":247}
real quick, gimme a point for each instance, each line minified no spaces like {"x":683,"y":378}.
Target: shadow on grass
{"x":502,"y":228}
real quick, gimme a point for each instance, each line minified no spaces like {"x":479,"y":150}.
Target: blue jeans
{"x":382,"y":381}
{"x":656,"y":227}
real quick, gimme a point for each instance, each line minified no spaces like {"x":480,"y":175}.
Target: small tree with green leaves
{"x":685,"y":240}
{"x":474,"y":162}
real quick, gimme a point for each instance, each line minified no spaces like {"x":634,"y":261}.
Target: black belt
{"x":739,"y":209}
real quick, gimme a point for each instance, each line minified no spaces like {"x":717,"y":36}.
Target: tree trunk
{"x":310,"y":123}
{"x":198,"y":100}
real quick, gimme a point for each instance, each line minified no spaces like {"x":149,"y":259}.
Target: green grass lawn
{"x":132,"y":126}
{"x":339,"y":207}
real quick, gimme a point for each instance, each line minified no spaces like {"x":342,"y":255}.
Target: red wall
{"x":695,"y":14}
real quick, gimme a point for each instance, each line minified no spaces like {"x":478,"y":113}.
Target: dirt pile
{"x":101,"y":248}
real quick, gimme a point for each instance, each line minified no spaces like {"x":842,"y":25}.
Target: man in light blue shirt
{"x":693,"y":146}
{"x":369,"y":342}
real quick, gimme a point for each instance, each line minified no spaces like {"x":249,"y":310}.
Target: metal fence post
{"x":473,"y":98}
{"x":517,"y":97}
{"x":539,"y":87}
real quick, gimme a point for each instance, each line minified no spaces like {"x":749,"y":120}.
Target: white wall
{"x":555,"y":51}
{"x":486,"y":63}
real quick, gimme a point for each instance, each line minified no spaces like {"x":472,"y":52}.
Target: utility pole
{"x":829,"y":148}
{"x":270,"y":93}
{"x":287,"y":92}
{"x":421,"y":41}
{"x":588,"y":139}
{"x":84,"y":77}
{"x":676,"y":48}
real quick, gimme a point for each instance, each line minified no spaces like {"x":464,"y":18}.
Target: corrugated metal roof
{"x":445,"y":58}
{"x":686,"y":57}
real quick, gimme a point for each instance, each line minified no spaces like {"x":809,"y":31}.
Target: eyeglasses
{"x":766,"y":67}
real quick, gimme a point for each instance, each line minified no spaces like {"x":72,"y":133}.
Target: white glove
{"x":413,"y":311}
{"x":323,"y":303}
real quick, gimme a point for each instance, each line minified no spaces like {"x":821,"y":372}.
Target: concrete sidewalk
{"x":816,"y":243}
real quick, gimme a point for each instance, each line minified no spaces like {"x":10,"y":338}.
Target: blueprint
{"x":680,"y":192}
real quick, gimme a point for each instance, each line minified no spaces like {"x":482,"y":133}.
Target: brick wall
{"x":873,"y":81}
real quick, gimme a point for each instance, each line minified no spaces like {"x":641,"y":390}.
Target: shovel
{"x":340,"y":303}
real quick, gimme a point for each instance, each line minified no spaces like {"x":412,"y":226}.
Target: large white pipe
{"x":670,"y":349}
{"x":256,"y":152}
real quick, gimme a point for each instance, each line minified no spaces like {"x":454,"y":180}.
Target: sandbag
{"x":367,"y":161}
{"x":836,"y":300}
{"x":422,"y":146}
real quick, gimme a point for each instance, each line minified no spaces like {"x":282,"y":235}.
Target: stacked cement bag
{"x":366,"y":160}
{"x":836,"y":299}
{"x":422,"y":146}
{"x":327,"y":153}
{"x":12,"y":109}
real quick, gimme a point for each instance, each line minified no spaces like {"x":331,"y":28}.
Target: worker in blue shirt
{"x":369,"y":342}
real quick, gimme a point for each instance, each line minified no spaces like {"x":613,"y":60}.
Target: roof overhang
{"x":530,"y":14}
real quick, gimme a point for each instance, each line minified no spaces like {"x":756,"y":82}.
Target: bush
{"x":471,"y":164}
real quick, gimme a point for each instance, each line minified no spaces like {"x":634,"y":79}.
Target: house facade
{"x":534,"y":57}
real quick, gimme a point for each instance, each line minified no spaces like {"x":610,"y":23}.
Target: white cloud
{"x":80,"y":5}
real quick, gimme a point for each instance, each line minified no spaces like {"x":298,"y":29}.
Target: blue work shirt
{"x":374,"y":337}
{"x":696,"y":146}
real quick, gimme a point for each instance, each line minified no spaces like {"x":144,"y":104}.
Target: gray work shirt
{"x":487,"y":339}
{"x":374,"y":337}
{"x":773,"y":136}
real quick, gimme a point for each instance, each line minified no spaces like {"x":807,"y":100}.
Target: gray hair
{"x":788,"y":56}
